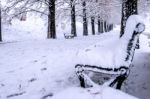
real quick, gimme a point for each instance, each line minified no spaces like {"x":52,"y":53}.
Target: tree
{"x":93,"y":25}
{"x":15,"y":8}
{"x":99,"y":25}
{"x":0,"y":24}
{"x":73,"y":18}
{"x":105,"y":26}
{"x":85,"y":25}
{"x":129,"y":7}
{"x":51,"y":20}
{"x":91,"y":13}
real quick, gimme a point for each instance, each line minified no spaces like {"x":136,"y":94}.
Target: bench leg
{"x":121,"y":78}
{"x":119,"y":81}
{"x":114,"y":82}
{"x":82,"y":81}
{"x":79,"y":72}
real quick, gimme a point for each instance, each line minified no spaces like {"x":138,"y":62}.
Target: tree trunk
{"x":109,"y":27}
{"x":124,"y":17}
{"x":0,"y":24}
{"x":93,"y":25}
{"x":73,"y":19}
{"x":51,"y":20}
{"x":105,"y":26}
{"x":112,"y":26}
{"x":129,"y":7}
{"x":101,"y":26}
{"x":85,"y":26}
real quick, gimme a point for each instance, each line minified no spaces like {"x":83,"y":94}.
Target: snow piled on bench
{"x":114,"y":52}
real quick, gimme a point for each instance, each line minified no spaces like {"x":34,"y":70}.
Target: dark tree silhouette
{"x":73,"y":18}
{"x":85,"y":25}
{"x":51,"y":20}
{"x":105,"y":26}
{"x":93,"y":25}
{"x":101,"y":26}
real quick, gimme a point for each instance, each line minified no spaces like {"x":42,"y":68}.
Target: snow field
{"x":32,"y":69}
{"x":41,"y":67}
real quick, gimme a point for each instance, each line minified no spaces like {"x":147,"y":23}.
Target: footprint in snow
{"x":32,"y":80}
{"x":47,"y":96}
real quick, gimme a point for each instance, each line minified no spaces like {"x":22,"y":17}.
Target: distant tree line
{"x":97,"y":11}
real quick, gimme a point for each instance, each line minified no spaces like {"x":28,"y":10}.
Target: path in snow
{"x":138,"y":83}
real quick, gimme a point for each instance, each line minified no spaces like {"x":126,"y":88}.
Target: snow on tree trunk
{"x":73,"y":19}
{"x":51,"y":20}
{"x":85,"y":26}
{"x":93,"y":25}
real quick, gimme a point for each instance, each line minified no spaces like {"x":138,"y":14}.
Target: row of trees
{"x":73,"y":8}
{"x":97,"y":11}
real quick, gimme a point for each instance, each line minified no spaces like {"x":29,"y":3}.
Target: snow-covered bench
{"x":114,"y":57}
{"x":68,"y":36}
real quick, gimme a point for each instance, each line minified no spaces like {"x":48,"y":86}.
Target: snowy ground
{"x":138,"y":83}
{"x":31,"y":69}
{"x":33,"y":65}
